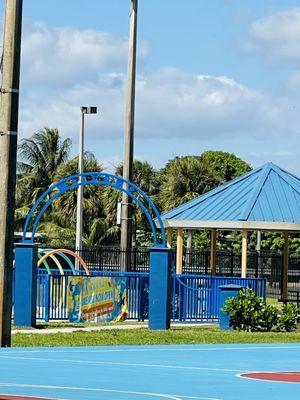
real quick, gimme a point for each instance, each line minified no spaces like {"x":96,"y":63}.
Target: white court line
{"x":87,"y":389}
{"x":142,"y":349}
{"x":17,"y":396}
{"x":127,"y":364}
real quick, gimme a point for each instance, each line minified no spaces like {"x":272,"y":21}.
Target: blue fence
{"x":195,"y":298}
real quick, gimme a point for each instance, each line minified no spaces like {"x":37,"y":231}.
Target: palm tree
{"x":102,"y":232}
{"x":39,"y":158}
{"x":145,"y":177}
{"x":183,"y":179}
{"x":62,"y":219}
{"x":65,"y":205}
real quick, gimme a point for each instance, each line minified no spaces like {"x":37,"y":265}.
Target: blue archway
{"x":94,"y":178}
{"x":26,"y":252}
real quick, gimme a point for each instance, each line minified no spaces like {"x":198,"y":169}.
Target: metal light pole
{"x":126,"y":219}
{"x":79,"y":211}
{"x":8,"y":151}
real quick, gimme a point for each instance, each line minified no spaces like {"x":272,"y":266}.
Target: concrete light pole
{"x":8,"y":151}
{"x":126,"y":219}
{"x":79,"y":214}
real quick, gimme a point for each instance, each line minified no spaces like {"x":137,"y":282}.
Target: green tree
{"x":225,"y":166}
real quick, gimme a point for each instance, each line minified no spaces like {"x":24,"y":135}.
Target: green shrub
{"x":287,"y":321}
{"x":249,"y":312}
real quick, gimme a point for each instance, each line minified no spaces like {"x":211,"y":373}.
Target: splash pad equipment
{"x":61,"y":252}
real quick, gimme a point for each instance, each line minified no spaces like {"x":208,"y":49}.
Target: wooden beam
{"x":169,"y":237}
{"x":179,"y":251}
{"x":285,"y":267}
{"x":213,"y":251}
{"x":244,"y":253}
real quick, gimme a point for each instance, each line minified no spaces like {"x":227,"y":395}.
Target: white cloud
{"x":276,"y":37}
{"x":176,"y":104}
{"x":62,"y":56}
{"x":169,"y":102}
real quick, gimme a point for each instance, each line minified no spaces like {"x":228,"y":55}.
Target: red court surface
{"x":292,"y":377}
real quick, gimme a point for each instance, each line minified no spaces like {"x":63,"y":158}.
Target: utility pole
{"x":126,"y":218}
{"x":8,"y":150}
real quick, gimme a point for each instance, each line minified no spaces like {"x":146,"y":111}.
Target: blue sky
{"x":211,"y":75}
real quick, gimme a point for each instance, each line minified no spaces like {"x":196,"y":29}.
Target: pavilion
{"x":265,"y":199}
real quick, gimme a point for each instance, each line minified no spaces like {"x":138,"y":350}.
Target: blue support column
{"x":160,"y":288}
{"x":227,"y":291}
{"x":25,"y":288}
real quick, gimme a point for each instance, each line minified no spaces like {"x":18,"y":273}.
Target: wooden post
{"x":213,"y":251}
{"x":244,"y":254}
{"x":9,"y":107}
{"x":179,"y":251}
{"x":169,"y":237}
{"x":285,"y":269}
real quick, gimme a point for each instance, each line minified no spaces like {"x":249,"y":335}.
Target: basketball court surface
{"x":199,"y":372}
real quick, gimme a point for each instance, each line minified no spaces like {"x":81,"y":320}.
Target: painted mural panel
{"x":96,"y":299}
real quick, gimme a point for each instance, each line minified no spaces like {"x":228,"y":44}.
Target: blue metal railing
{"x":194,"y":298}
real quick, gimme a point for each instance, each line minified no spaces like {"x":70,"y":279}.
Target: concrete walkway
{"x":124,"y":326}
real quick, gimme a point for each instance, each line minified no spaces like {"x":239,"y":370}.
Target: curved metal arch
{"x":72,"y":253}
{"x":57,"y":263}
{"x":45,"y":264}
{"x":69,"y":262}
{"x":93,"y":178}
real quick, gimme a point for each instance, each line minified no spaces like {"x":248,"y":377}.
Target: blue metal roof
{"x":268,"y":194}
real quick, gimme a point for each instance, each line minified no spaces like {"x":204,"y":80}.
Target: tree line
{"x":45,"y":158}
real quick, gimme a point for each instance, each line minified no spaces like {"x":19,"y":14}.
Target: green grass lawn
{"x":186,"y":335}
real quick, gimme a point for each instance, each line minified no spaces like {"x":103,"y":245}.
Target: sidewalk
{"x":124,"y":326}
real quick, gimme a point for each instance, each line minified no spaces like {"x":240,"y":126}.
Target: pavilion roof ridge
{"x":196,"y":201}
{"x":266,"y":169}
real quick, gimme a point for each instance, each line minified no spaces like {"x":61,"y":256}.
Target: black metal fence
{"x":111,"y":258}
{"x":260,"y":264}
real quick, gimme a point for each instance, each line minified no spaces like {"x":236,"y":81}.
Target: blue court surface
{"x":200,"y":372}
